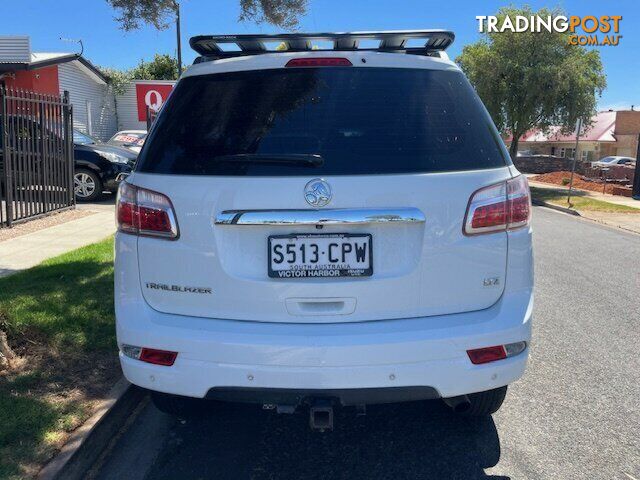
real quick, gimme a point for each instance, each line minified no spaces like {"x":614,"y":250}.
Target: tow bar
{"x":321,"y":415}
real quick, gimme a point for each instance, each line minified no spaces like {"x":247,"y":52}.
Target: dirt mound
{"x":562,"y":178}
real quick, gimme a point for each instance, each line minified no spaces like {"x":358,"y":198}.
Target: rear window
{"x":358,"y":120}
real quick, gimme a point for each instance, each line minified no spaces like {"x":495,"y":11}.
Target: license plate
{"x":324,"y":255}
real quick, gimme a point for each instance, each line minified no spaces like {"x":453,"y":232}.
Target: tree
{"x":118,"y":79}
{"x":533,"y":80}
{"x":162,"y":13}
{"x":281,"y":13}
{"x":162,"y":67}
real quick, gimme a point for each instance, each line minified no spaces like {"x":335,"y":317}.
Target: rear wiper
{"x":301,"y":159}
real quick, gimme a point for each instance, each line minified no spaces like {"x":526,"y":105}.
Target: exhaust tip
{"x":459,"y":404}
{"x":462,"y":407}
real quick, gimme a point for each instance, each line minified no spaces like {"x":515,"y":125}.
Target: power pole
{"x":178,"y":38}
{"x":575,"y":156}
{"x":636,"y":176}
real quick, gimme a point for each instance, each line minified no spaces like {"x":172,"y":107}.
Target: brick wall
{"x":542,"y":164}
{"x":618,"y":172}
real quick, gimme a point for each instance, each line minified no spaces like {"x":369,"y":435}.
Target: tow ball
{"x":321,"y":415}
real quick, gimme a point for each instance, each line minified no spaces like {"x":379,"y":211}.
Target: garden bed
{"x":562,"y":178}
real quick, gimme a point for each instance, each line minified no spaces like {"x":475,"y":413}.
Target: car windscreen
{"x":127,"y":138}
{"x":357,"y":120}
{"x":83,"y":139}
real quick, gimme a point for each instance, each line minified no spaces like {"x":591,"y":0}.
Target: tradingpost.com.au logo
{"x":587,"y":30}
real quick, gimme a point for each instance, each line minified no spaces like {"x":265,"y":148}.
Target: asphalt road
{"x":575,"y":414}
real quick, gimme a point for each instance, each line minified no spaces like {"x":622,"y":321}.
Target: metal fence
{"x":36,"y":155}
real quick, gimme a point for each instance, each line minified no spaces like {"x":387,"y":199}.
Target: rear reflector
{"x":158,"y":357}
{"x":149,"y":355}
{"x":319,"y":62}
{"x":499,"y":207}
{"x":144,"y":212}
{"x":479,"y":356}
{"x":487,"y":354}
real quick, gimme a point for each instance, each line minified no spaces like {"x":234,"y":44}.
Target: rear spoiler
{"x":214,"y":47}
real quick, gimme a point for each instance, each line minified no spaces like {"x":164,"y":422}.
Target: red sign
{"x":152,"y":95}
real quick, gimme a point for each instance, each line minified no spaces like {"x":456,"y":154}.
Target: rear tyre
{"x":87,"y":185}
{"x":177,"y":406}
{"x":486,"y":403}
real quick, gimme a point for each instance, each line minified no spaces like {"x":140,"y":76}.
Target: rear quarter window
{"x":361,"y":121}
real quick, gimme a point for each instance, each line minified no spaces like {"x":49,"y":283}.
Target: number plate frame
{"x":365,"y":272}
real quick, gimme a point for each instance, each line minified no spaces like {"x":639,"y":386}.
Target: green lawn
{"x":578,"y":201}
{"x":59,"y":320}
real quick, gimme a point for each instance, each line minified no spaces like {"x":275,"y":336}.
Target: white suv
{"x":324,"y":227}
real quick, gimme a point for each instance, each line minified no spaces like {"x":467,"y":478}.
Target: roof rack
{"x":214,"y":47}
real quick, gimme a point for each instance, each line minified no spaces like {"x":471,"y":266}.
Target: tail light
{"x":499,"y":207}
{"x":144,"y":212}
{"x":319,"y":62}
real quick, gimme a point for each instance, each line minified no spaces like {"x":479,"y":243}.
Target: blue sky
{"x":92,"y":21}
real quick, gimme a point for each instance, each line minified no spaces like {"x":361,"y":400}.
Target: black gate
{"x":36,"y":155}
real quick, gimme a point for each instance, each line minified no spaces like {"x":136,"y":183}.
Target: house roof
{"x":601,"y":130}
{"x":46,"y":59}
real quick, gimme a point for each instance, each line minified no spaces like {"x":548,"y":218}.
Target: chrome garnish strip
{"x":338,"y":216}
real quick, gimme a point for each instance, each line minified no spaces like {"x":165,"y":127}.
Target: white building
{"x":96,"y":110}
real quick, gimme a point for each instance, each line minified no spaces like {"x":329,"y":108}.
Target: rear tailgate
{"x":419,"y":269}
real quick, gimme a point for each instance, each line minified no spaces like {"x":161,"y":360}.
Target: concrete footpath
{"x":30,"y":249}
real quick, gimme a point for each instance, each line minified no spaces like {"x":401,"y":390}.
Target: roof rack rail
{"x":215,"y":47}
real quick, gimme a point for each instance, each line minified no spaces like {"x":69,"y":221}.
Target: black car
{"x":98,"y":167}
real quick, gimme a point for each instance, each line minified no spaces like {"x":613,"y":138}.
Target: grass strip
{"x":58,"y":317}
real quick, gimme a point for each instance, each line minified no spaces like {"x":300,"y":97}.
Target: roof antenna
{"x":73,"y":40}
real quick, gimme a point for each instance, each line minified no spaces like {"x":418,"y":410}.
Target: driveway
{"x":44,"y":238}
{"x":106,"y":204}
{"x":574,"y":415}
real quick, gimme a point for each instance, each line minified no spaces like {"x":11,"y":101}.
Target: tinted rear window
{"x":359,"y":120}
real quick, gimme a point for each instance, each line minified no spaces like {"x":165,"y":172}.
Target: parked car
{"x":524,"y":153}
{"x":320,"y":228}
{"x":99,"y":167}
{"x":613,"y":160}
{"x":129,"y":139}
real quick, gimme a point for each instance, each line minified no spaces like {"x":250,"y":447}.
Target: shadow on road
{"x":413,"y":440}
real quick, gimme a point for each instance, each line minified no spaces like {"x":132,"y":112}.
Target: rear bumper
{"x":252,"y":361}
{"x":350,"y":385}
{"x":112,"y":176}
